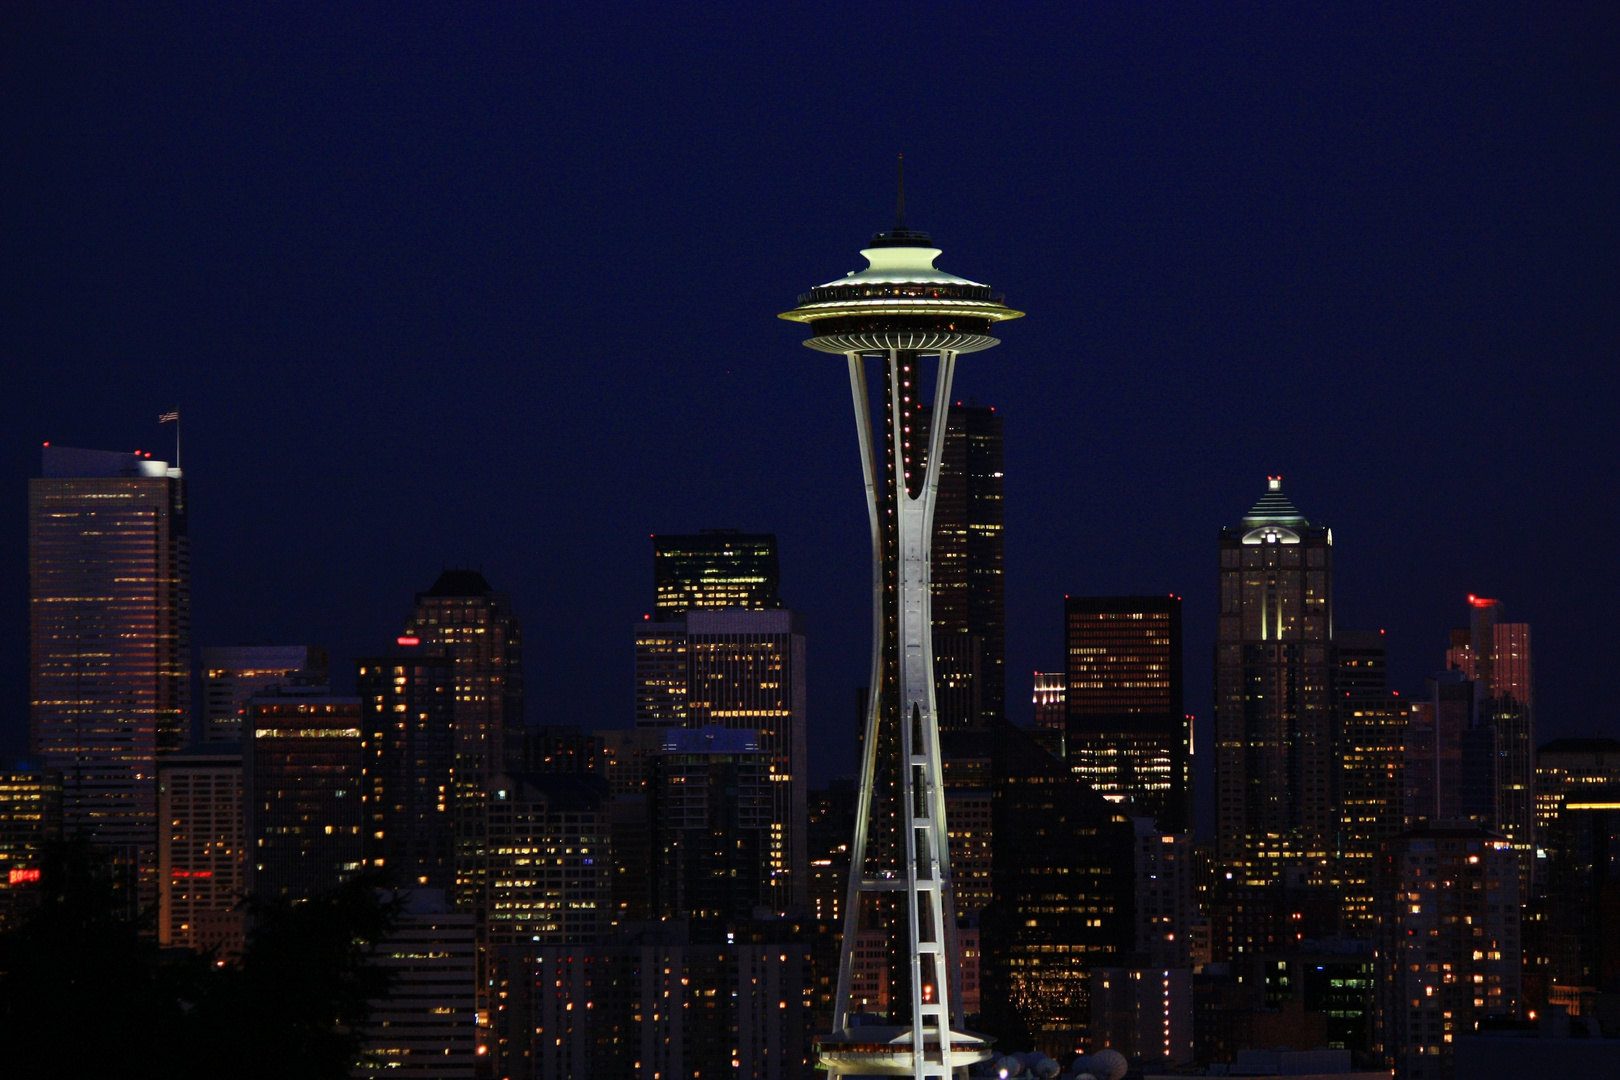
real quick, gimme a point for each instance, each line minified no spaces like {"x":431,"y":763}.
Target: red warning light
{"x":1480,"y":601}
{"x":406,"y":639}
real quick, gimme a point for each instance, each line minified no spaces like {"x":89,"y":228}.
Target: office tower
{"x":966,"y":568}
{"x":1165,"y":912}
{"x":1064,"y":885}
{"x":1448,"y":943}
{"x":1372,"y":776}
{"x":549,"y":859}
{"x":716,"y":568}
{"x":233,"y":675}
{"x":1584,"y":898}
{"x":1451,"y":766}
{"x":409,"y":709}
{"x":561,"y":748}
{"x":1566,"y":767}
{"x":1248,"y":919}
{"x":304,"y":762}
{"x":109,"y":640}
{"x":626,"y":765}
{"x":968,"y":760}
{"x":908,"y":316}
{"x":30,"y":818}
{"x":831,"y":819}
{"x":746,"y":671}
{"x":675,"y":1000}
{"x":661,"y":674}
{"x":463,"y":618}
{"x":1051,"y":699}
{"x":1143,"y":1013}
{"x":1127,"y":730}
{"x":1274,"y":768}
{"x":202,"y":852}
{"x":1497,"y":655}
{"x":1361,"y":662}
{"x":1331,"y":985}
{"x":710,"y":801}
{"x":427,"y":1026}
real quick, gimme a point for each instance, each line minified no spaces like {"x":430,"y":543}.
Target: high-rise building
{"x":966,"y":572}
{"x":627,"y":766}
{"x":969,"y":771}
{"x":745,"y":670}
{"x":1496,"y":654}
{"x":1372,"y":760}
{"x":562,"y":748}
{"x":427,"y":1026}
{"x":233,"y":675}
{"x":30,"y":818}
{"x":715,"y":568}
{"x":1274,"y":767}
{"x":1566,"y":767}
{"x":109,"y":640}
{"x":1451,"y":764}
{"x":409,"y":708}
{"x":1584,"y":898}
{"x":304,"y":761}
{"x":1448,"y":943}
{"x":1361,"y":662}
{"x":1127,"y":730}
{"x":549,"y":878}
{"x":463,"y":618}
{"x":1165,"y":911}
{"x":1064,"y":881}
{"x":661,"y":674}
{"x":202,"y":852}
{"x":1051,"y":699}
{"x":909,"y":316}
{"x":710,"y":812}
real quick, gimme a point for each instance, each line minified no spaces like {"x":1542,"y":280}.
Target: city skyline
{"x":1183,"y":312}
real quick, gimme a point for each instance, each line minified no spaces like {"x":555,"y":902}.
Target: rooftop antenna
{"x":900,"y":209}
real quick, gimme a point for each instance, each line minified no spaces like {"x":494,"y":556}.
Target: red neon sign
{"x":409,"y":640}
{"x":19,"y":875}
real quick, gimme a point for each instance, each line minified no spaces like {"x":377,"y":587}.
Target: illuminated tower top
{"x":901,"y":301}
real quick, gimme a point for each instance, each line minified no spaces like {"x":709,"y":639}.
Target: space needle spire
{"x":893,"y":319}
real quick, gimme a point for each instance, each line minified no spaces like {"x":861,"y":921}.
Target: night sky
{"x":435,"y":286}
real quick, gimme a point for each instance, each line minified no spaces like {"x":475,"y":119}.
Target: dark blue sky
{"x":434,"y":285}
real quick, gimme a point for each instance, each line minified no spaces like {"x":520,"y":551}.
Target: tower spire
{"x":900,"y":207}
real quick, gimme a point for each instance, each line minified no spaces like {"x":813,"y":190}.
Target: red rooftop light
{"x":1480,"y":601}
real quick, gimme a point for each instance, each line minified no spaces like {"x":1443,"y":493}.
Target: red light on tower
{"x":1480,"y":601}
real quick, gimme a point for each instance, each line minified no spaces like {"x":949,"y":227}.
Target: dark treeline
{"x":85,"y":993}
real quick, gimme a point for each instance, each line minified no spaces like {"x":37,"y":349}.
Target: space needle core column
{"x":901,"y":312}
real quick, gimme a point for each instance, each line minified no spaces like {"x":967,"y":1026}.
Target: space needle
{"x":893,"y":319}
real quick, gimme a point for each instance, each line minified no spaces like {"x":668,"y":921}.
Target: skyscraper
{"x":549,"y":859}
{"x":109,"y":639}
{"x":1497,"y":655}
{"x":1372,"y":746}
{"x":202,"y":853}
{"x":910,"y":316}
{"x":463,"y":618}
{"x":715,"y":568}
{"x":1127,"y":729}
{"x":304,"y":786}
{"x":409,"y":709}
{"x":232,"y":675}
{"x":1274,"y":768}
{"x":710,"y":806}
{"x":1566,"y":767}
{"x":966,"y":572}
{"x":427,"y":1026}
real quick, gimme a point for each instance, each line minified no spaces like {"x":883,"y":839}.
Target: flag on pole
{"x":166,"y":417}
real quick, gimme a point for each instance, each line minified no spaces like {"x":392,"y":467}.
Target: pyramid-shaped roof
{"x":1274,"y":508}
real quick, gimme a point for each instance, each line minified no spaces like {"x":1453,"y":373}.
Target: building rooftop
{"x":460,"y":583}
{"x":1274,"y":507}
{"x":1581,"y":746}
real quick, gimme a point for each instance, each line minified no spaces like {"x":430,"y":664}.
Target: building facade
{"x":710,"y":803}
{"x":550,"y":858}
{"x":202,"y":850}
{"x":304,"y":787}
{"x":1372,"y":772}
{"x":1274,"y":767}
{"x":1143,"y":1013}
{"x":1165,"y":911}
{"x":967,"y":569}
{"x":427,"y":1027}
{"x":30,"y":818}
{"x":234,"y":675}
{"x":1448,"y":943}
{"x":712,"y":569}
{"x":109,"y":567}
{"x":1126,"y":726}
{"x":409,"y":709}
